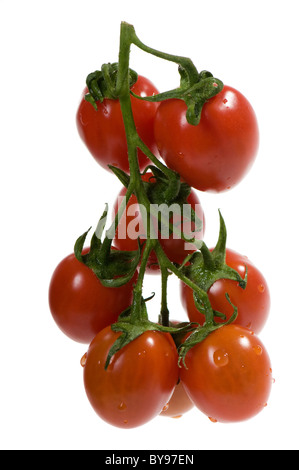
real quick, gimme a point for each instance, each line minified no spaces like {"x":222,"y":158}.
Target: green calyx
{"x":113,"y":268}
{"x":102,"y":83}
{"x":203,"y":269}
{"x":132,"y":324}
{"x":195,"y":93}
{"x":207,"y":266}
{"x":164,"y":190}
{"x":200,"y":333}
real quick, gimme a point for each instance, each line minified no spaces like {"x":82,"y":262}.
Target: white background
{"x":52,"y":191}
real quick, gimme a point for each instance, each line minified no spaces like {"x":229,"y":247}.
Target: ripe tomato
{"x":228,"y":376}
{"x":253,"y":303}
{"x":179,"y":403}
{"x":103,"y":130}
{"x":80,"y":305}
{"x":131,"y":227}
{"x":138,"y":382}
{"x":217,"y":153}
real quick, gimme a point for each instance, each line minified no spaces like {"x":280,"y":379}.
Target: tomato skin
{"x":253,"y":303}
{"x":80,"y":305}
{"x":228,"y":376}
{"x":103,"y":130}
{"x":216,"y":154}
{"x":179,"y":403}
{"x":137,"y":383}
{"x":175,"y":248}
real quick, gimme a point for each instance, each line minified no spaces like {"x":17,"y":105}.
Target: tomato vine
{"x":157,"y":186}
{"x":196,"y":88}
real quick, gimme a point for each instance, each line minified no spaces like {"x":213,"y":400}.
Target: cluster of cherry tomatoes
{"x":228,"y":375}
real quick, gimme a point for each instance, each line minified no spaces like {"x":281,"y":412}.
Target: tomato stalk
{"x":200,"y":269}
{"x":195,"y":88}
{"x":128,"y":37}
{"x":137,"y":299}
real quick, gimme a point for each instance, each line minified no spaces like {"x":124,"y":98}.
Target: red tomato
{"x":131,"y":227}
{"x":253,"y":303}
{"x":80,"y":305}
{"x":179,"y":403}
{"x":103,"y":130}
{"x":217,"y":153}
{"x":228,"y":376}
{"x":138,"y":382}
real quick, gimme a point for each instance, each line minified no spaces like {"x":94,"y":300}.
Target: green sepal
{"x":166,"y":192}
{"x":79,"y":245}
{"x":113,"y":268}
{"x":130,"y":329}
{"x":205,"y":266}
{"x":119,"y":269}
{"x":166,"y":187}
{"x":123,"y":177}
{"x":187,"y":81}
{"x":181,"y":330}
{"x":198,"y":95}
{"x":101,"y":84}
{"x":202,"y":332}
{"x":194,"y":91}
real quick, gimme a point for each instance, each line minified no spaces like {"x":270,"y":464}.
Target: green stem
{"x":143,"y":147}
{"x":165,"y":263}
{"x":123,"y":91}
{"x":174,"y":179}
{"x":110,"y":233}
{"x":184,"y":62}
{"x":137,"y":299}
{"x":127,"y":38}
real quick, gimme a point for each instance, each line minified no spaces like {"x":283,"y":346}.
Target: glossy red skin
{"x":80,"y":305}
{"x":138,"y":382}
{"x":103,"y":130}
{"x":175,"y":248}
{"x":179,"y":403}
{"x":253,"y":303}
{"x":216,"y":154}
{"x":228,"y":375}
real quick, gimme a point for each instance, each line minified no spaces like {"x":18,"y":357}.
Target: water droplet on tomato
{"x":258,"y":350}
{"x":261,"y":288}
{"x":165,"y":408}
{"x":83,"y":360}
{"x":83,"y":121}
{"x":213,"y":420}
{"x":225,"y":101}
{"x":105,"y":109}
{"x":221,"y":358}
{"x":122,"y":406}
